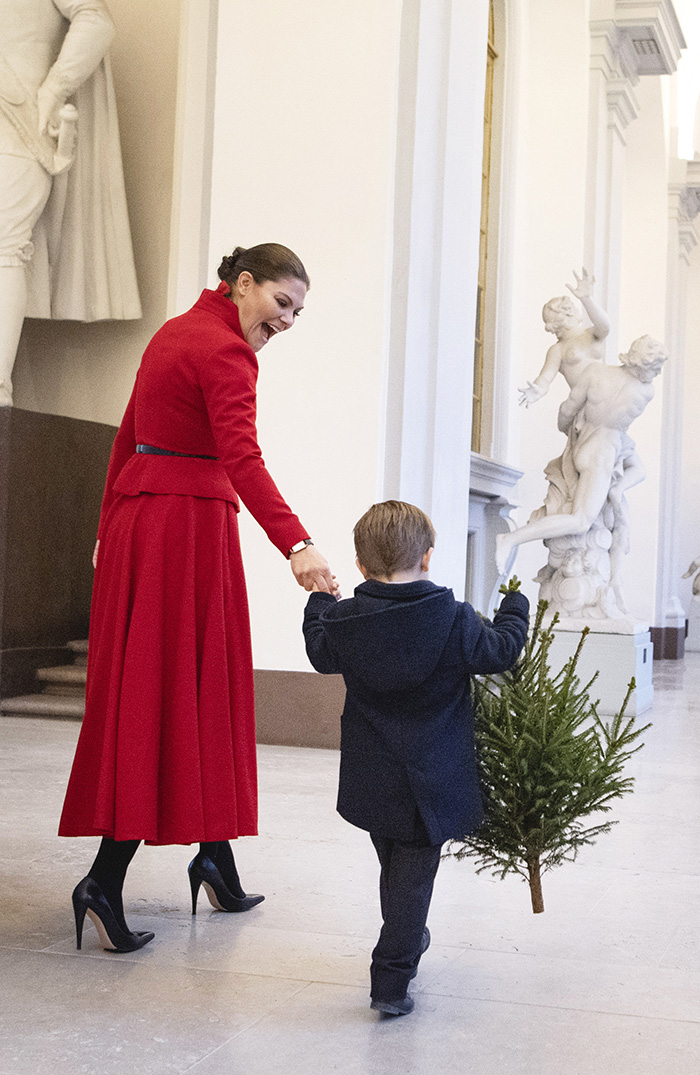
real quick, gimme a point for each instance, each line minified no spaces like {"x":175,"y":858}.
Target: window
{"x":478,"y":391}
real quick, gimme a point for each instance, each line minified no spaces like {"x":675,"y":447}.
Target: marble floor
{"x":606,"y":981}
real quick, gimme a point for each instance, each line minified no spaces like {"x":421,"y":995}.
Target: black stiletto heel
{"x":202,"y":871}
{"x":88,"y":898}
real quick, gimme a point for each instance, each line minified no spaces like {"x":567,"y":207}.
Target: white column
{"x":194,"y":136}
{"x":684,"y":204}
{"x":629,"y":39}
{"x":612,"y":107}
{"x":435,"y":263}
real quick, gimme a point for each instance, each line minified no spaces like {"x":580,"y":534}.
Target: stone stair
{"x":63,"y":694}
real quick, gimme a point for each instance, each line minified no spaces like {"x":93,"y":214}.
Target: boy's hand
{"x":511,"y":587}
{"x":335,"y":593}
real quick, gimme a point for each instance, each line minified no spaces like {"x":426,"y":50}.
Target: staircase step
{"x":64,"y":673}
{"x":80,"y":646}
{"x":43,"y":705}
{"x":65,"y":690}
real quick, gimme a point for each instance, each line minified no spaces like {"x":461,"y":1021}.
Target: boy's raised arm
{"x":317,"y":649}
{"x":494,"y":647}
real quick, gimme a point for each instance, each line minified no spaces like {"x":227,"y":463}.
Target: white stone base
{"x":616,"y":658}
{"x":692,"y":642}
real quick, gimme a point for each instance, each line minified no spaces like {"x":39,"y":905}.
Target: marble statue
{"x":694,"y":569}
{"x":584,"y":520}
{"x":576,"y":346}
{"x":692,"y":641}
{"x":65,"y":245}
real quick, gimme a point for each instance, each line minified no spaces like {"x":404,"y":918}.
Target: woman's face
{"x":268,"y":308}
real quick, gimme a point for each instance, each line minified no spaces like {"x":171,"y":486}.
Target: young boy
{"x":406,"y":648}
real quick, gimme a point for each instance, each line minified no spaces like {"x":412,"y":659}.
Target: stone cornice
{"x":652,"y":29}
{"x":684,"y":204}
{"x":623,"y":106}
{"x":491,"y":479}
{"x":643,"y":37}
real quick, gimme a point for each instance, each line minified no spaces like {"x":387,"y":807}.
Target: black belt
{"x":150,"y":449}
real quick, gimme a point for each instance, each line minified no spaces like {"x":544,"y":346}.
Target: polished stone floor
{"x":606,"y":981}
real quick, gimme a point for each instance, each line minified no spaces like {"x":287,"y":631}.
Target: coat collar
{"x":398,"y":590}
{"x":218,"y":303}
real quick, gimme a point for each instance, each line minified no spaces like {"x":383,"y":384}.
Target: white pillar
{"x":194,"y":138}
{"x":684,"y":204}
{"x":435,"y":267}
{"x":612,"y":107}
{"x":629,"y":39}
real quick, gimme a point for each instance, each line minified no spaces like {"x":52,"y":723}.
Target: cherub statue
{"x":576,"y":346}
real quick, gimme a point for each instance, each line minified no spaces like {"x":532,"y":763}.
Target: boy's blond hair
{"x":392,"y":536}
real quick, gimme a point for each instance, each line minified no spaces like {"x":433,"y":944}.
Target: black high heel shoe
{"x":202,"y":871}
{"x":88,"y":898}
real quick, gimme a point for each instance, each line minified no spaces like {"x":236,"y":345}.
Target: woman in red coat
{"x":167,"y":748}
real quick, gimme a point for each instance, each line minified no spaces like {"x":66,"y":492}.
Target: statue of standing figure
{"x":584,"y":519}
{"x":65,"y":244}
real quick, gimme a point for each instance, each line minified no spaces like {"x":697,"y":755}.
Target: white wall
{"x":643,"y":310}
{"x":304,"y":155}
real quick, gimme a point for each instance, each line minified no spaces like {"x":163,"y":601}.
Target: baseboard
{"x":669,"y":643}
{"x":299,"y":709}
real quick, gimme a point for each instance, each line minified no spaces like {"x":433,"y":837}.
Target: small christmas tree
{"x":547,"y":762}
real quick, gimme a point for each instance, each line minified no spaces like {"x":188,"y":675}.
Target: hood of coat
{"x":392,"y":635}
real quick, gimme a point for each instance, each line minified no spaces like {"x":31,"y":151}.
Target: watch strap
{"x":299,"y":546}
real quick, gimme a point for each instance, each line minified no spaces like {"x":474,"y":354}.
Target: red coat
{"x":167,"y":748}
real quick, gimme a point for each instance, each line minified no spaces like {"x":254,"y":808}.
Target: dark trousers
{"x":408,"y":871}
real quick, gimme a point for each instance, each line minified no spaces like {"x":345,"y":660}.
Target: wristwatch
{"x":299,"y":546}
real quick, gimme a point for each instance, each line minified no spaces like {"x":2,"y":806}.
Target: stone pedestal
{"x":617,"y":656}
{"x":52,"y":472}
{"x":692,"y":642}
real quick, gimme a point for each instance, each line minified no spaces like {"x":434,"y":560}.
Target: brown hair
{"x":392,"y":536}
{"x":268,"y":261}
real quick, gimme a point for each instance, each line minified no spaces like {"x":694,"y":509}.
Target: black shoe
{"x":404,"y":1006}
{"x":202,"y":871}
{"x":424,"y":946}
{"x":88,"y":898}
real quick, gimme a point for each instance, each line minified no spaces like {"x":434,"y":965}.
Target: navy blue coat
{"x":406,"y":651}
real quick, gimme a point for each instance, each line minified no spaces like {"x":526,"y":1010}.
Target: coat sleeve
{"x":318,"y":651}
{"x":228,"y":379}
{"x":494,"y":647}
{"x":122,"y":450}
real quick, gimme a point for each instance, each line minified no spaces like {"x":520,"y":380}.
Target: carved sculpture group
{"x":584,"y":518}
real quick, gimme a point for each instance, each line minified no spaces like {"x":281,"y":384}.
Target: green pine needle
{"x":550,"y":767}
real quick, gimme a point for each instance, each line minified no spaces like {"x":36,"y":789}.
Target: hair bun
{"x":267,"y":261}
{"x":228,"y":263}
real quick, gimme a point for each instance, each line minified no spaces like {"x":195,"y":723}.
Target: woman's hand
{"x":312,"y":571}
{"x":94,"y":555}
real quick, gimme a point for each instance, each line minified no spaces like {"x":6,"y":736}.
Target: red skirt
{"x":167,"y":748}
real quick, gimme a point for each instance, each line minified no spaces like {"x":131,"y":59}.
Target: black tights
{"x":114,"y":857}
{"x":109,"y":870}
{"x":221,"y":855}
